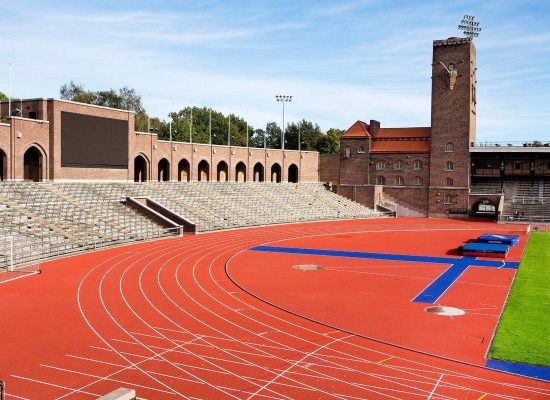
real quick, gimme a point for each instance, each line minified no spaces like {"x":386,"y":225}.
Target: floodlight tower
{"x":283,"y":99}
{"x":469,"y":27}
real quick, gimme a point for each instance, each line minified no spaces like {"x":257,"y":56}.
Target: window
{"x":380,"y":165}
{"x":399,"y":181}
{"x":380,"y":180}
{"x":361,"y":150}
{"x":449,"y":148}
{"x":348,"y":152}
{"x":449,"y":182}
{"x":32,"y":115}
{"x":417,"y":165}
{"x":399,"y":165}
{"x":417,"y":181}
{"x":448,"y":199}
{"x":449,"y":166}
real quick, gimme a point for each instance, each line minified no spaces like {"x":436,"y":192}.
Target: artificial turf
{"x":523,"y":333}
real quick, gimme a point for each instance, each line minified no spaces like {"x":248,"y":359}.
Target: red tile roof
{"x":358,"y":129}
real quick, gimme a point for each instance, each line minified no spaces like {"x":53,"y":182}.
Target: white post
{"x":9,"y":93}
{"x":11,"y":254}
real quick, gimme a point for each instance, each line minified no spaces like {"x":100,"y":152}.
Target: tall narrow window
{"x":448,"y":199}
{"x":380,"y":165}
{"x":449,"y":148}
{"x":399,"y":181}
{"x":449,"y":166}
{"x":449,"y":182}
{"x":381,"y":180}
{"x":348,"y":152}
{"x":417,"y":165}
{"x":399,"y":165}
{"x":417,"y":181}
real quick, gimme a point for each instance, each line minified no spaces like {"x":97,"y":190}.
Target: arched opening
{"x":258,"y":172}
{"x":222,"y":172}
{"x":293,"y":173}
{"x":184,"y":171}
{"x":32,"y":165}
{"x":3,"y":166}
{"x":140,"y":169}
{"x":240,"y":172}
{"x":276,"y":173}
{"x":203,"y":171}
{"x":163,"y":170}
{"x":484,"y":208}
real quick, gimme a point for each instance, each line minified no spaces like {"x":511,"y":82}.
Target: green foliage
{"x":524,"y":329}
{"x":3,"y":97}
{"x":204,"y":120}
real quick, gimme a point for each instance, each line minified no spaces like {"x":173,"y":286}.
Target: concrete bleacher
{"x":526,"y":200}
{"x":55,"y":219}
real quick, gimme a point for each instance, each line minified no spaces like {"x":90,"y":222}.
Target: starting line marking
{"x":456,"y":266}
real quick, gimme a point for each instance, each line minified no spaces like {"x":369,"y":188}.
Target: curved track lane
{"x":165,"y":319}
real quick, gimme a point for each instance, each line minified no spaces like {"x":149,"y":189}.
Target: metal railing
{"x":16,"y":252}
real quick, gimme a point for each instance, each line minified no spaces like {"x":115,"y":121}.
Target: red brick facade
{"x":423,"y":170}
{"x":39,"y":127}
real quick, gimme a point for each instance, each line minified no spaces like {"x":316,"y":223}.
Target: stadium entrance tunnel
{"x":240,"y":172}
{"x":204,"y":171}
{"x":442,"y":310}
{"x":485,"y":208}
{"x":33,"y":165}
{"x":140,"y":169}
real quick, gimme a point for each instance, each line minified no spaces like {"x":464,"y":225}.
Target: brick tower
{"x":453,"y":126}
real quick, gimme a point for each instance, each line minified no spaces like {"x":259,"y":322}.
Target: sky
{"x":342,"y":61}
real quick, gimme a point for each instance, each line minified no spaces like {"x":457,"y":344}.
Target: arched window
{"x":163,"y":170}
{"x":417,"y":165}
{"x":449,"y":166}
{"x":221,"y":173}
{"x":240,"y":172}
{"x":399,"y":165}
{"x":361,"y":150}
{"x":203,"y":170}
{"x":449,"y":182}
{"x":399,"y":181}
{"x":258,"y":172}
{"x":448,"y":199}
{"x":276,"y":173}
{"x":417,"y":181}
{"x":348,"y":152}
{"x":293,"y":173}
{"x":449,"y":147}
{"x":184,"y":171}
{"x":380,"y":180}
{"x":380,"y":165}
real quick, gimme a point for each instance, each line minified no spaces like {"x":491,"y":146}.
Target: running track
{"x":164,"y":318}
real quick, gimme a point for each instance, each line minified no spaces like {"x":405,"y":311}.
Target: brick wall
{"x":329,"y":168}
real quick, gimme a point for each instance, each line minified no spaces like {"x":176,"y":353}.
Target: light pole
{"x":283,"y":98}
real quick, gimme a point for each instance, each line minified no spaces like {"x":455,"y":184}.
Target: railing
{"x":18,"y":252}
{"x":530,"y":200}
{"x":512,"y":143}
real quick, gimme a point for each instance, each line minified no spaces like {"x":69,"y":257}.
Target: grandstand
{"x":49,"y":220}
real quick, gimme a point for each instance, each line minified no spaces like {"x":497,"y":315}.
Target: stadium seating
{"x":527,"y":200}
{"x":55,"y":219}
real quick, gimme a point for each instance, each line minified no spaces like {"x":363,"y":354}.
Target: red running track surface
{"x":165,"y":319}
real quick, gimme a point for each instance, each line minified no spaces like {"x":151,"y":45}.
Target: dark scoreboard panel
{"x":93,"y":142}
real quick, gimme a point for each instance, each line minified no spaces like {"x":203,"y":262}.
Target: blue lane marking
{"x":436,"y":289}
{"x":429,"y":295}
{"x":532,"y":371}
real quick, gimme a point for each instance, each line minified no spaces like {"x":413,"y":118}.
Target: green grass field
{"x":523,"y":334}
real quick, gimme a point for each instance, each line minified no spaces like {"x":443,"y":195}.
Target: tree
{"x":3,"y":97}
{"x":329,"y":143}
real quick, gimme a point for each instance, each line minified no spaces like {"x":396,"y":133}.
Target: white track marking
{"x":435,"y":387}
{"x":54,"y":385}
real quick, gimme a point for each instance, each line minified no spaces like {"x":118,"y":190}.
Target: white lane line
{"x":131,"y":384}
{"x":435,"y":387}
{"x":16,"y":397}
{"x":57,"y":386}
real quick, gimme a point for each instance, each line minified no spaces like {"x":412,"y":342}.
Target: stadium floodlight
{"x":469,"y":27}
{"x":283,"y":98}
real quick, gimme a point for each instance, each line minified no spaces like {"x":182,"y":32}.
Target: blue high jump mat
{"x":510,"y":240}
{"x":485,"y":249}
